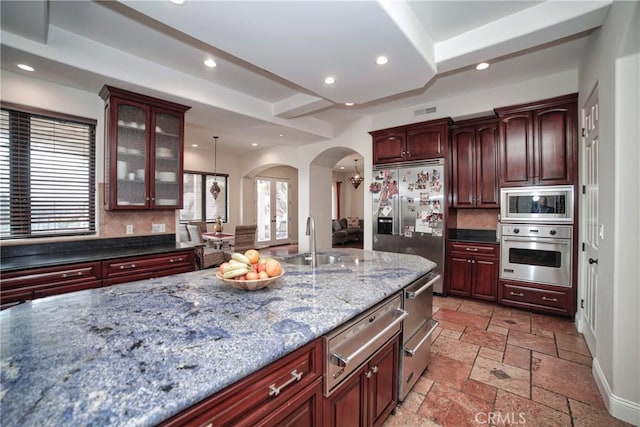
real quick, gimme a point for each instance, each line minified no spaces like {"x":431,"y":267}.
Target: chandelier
{"x":356,"y":179}
{"x":215,"y":188}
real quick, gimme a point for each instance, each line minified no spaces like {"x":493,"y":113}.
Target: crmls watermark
{"x":499,"y":418}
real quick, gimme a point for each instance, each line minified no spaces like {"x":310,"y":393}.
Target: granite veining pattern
{"x":138,"y":353}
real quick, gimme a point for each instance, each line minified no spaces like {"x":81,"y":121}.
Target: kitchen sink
{"x":305,"y":259}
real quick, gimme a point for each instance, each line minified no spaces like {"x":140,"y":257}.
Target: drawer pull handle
{"x":343,"y":361}
{"x":76,"y":274}
{"x":414,"y":294}
{"x":274,"y":390}
{"x":124,"y":267}
{"x":176,"y":260}
{"x":516,"y":294}
{"x":550,"y":299}
{"x":471,"y":249}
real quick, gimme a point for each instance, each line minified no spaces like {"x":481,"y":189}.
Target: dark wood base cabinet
{"x":147,"y":267}
{"x":370,"y":395}
{"x":25,"y":285}
{"x":472,"y":270}
{"x":19,"y":286}
{"x":253,"y":401}
{"x":549,"y":299}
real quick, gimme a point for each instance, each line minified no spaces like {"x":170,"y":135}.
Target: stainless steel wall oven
{"x":537,"y":253}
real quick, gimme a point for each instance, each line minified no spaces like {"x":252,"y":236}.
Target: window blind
{"x":47,"y":175}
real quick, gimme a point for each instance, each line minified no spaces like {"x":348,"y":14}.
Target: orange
{"x":263,"y":275}
{"x":273,"y":268}
{"x":252,"y":275}
{"x":223,"y":267}
{"x":253,"y":255}
{"x":262,"y":265}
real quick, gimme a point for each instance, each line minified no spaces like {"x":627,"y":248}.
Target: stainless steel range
{"x":536,"y":253}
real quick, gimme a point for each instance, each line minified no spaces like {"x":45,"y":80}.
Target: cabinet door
{"x":129,"y":146}
{"x":554,"y":130}
{"x":463,"y":167}
{"x":485,"y":278}
{"x":382,"y":377}
{"x":428,"y":142}
{"x":388,"y":147}
{"x":487,"y":172}
{"x":167,"y":129}
{"x":516,"y":150}
{"x":347,"y":405}
{"x":459,"y":275}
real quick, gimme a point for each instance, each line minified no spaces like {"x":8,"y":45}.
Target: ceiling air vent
{"x":428,"y":110}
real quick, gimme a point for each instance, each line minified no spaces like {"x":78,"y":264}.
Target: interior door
{"x":590,"y":223}
{"x":272,"y":202}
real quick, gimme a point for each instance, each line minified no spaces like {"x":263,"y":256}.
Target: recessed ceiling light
{"x":341,"y":167}
{"x":330,"y":80}
{"x":254,"y":144}
{"x":281,"y":135}
{"x":177,"y":1}
{"x":381,"y":60}
{"x":482,"y":66}
{"x":26,"y":67}
{"x":210,"y":63}
{"x":194,"y":145}
{"x":349,"y":104}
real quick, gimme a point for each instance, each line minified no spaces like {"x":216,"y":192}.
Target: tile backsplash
{"x":114,"y":223}
{"x":478,"y":219}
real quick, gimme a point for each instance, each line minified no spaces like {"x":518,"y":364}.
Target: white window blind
{"x":47,"y":174}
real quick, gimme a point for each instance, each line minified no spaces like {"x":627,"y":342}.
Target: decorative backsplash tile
{"x":114,"y":223}
{"x":479,"y":219}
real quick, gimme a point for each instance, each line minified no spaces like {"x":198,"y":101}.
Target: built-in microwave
{"x":540,"y":204}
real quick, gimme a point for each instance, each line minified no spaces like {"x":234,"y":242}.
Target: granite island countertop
{"x":138,"y":353}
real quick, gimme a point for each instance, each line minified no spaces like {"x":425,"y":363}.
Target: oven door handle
{"x":536,"y":240}
{"x":414,"y":294}
{"x":343,"y":361}
{"x":411,"y":351}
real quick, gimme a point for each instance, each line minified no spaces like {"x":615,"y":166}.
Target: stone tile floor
{"x":518,"y":368}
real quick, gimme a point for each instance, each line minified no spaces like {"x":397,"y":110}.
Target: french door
{"x":272,"y":202}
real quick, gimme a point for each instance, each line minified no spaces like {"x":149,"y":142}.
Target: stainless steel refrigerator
{"x":408,"y":211}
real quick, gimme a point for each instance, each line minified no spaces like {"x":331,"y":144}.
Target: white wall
{"x":351,"y":199}
{"x":612,"y":64}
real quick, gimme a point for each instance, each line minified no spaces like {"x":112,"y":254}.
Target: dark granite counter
{"x":472,"y":236}
{"x":138,"y":353}
{"x":21,"y":257}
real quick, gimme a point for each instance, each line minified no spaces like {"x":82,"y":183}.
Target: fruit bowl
{"x":249,"y":285}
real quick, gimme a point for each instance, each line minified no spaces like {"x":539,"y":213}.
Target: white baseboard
{"x":618,"y":407}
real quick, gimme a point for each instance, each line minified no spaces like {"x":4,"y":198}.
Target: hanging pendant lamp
{"x":356,"y":179}
{"x":215,"y":188}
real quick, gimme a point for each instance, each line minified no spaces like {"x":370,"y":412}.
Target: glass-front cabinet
{"x":144,"y":141}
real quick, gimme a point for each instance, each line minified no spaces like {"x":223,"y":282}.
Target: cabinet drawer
{"x":136,"y":268}
{"x":41,"y":282}
{"x":260,"y":394}
{"x":533,"y":297}
{"x":474,"y":248}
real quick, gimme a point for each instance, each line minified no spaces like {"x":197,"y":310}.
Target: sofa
{"x":346,"y":230}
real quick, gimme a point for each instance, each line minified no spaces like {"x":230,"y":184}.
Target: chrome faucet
{"x":311,"y":231}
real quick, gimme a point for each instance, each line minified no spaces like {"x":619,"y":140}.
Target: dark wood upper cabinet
{"x":144,"y":144}
{"x":418,"y":141}
{"x":474,"y":162}
{"x":538,"y":142}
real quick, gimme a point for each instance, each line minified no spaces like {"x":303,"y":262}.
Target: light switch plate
{"x":129,"y":228}
{"x":158,"y":228}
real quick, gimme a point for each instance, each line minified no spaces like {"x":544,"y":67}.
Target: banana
{"x":237,"y":266}
{"x":240,"y":257}
{"x":235,"y":273}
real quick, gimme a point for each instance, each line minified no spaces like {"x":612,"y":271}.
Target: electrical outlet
{"x":158,"y":228}
{"x":129,"y":228}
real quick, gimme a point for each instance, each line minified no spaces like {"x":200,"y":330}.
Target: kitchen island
{"x":138,"y":353}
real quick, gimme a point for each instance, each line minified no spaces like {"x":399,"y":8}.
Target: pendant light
{"x":356,"y":179}
{"x":215,"y":188}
